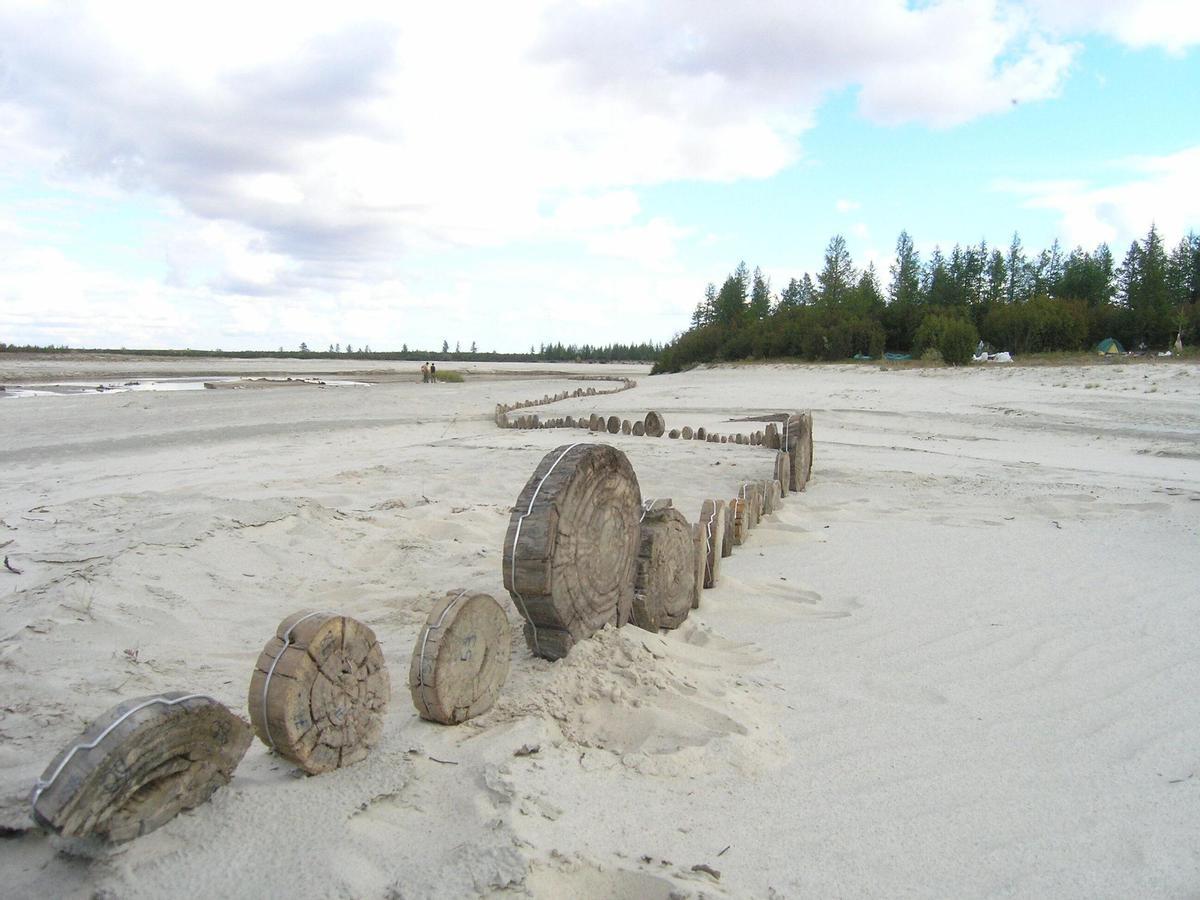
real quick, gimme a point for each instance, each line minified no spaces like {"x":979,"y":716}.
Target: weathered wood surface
{"x":571,"y":548}
{"x":673,"y":433}
{"x":768,"y":495}
{"x":686,"y":432}
{"x":594,"y":422}
{"x":741,"y":526}
{"x":727,"y":537}
{"x":626,"y":426}
{"x":319,"y":691}
{"x":152,"y":758}
{"x":460,"y":660}
{"x":655,"y":425}
{"x":799,"y":448}
{"x":701,"y":433}
{"x":700,"y":551}
{"x":614,"y":425}
{"x":664,"y":584}
{"x":783,"y":469}
{"x":712,"y":517}
{"x":639,"y":428}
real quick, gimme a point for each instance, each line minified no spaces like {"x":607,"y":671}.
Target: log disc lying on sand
{"x":799,"y":448}
{"x":571,"y":546}
{"x":700,"y":545}
{"x":664,"y":583}
{"x":712,"y":517}
{"x":460,"y":660}
{"x":614,"y":425}
{"x":139,"y":765}
{"x":655,"y":424}
{"x":319,"y":691}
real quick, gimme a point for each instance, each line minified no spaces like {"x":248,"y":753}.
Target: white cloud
{"x":1160,"y":189}
{"x":1173,"y":25}
{"x":845,"y":206}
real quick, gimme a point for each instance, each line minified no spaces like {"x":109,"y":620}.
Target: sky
{"x":256,"y":175}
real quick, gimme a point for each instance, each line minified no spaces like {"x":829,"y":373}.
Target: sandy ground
{"x":965,"y":662}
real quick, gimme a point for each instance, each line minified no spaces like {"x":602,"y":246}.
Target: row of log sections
{"x":583,"y":550}
{"x":318,"y":695}
{"x":503,"y":409}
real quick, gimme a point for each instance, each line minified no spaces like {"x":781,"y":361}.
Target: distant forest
{"x":943,"y":306}
{"x":647,"y":352}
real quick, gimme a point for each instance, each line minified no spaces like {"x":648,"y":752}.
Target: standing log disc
{"x":152,"y":758}
{"x":655,"y":424}
{"x":741,"y":526}
{"x":626,"y":427}
{"x":777,"y":492}
{"x":686,"y":432}
{"x":712,"y":517}
{"x":664,"y":583}
{"x":319,"y":691}
{"x":799,"y":448}
{"x":571,"y":546}
{"x":783,"y":469}
{"x":639,"y":429}
{"x":614,"y":425}
{"x":594,"y":422}
{"x":699,"y":560}
{"x":771,"y":435}
{"x":460,"y":660}
{"x":768,"y":495}
{"x":727,"y":537}
{"x":673,"y":434}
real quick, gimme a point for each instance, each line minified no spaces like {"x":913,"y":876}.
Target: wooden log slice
{"x":639,"y":429}
{"x":626,"y":427}
{"x":783,"y":468}
{"x":139,"y":765}
{"x":771,"y":435}
{"x":460,"y":660}
{"x":655,"y":424}
{"x":727,"y":537}
{"x":712,"y":517}
{"x":768,"y":494}
{"x":570,"y":421}
{"x":741,"y":526}
{"x":724,"y":439}
{"x":571,"y":546}
{"x":777,"y":492}
{"x":701,"y":434}
{"x":664,"y":583}
{"x":594,"y":422}
{"x":699,"y":558}
{"x":808,"y":432}
{"x":614,"y":425}
{"x":799,"y":448}
{"x":714,"y":438}
{"x":319,"y":691}
{"x":673,"y":433}
{"x":686,"y":432}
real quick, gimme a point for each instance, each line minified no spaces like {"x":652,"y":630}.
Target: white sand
{"x":965,"y":662}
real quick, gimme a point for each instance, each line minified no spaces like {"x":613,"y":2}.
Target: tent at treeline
{"x":1014,"y":300}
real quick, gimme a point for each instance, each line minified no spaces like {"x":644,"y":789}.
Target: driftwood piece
{"x":460,"y":660}
{"x":614,"y":425}
{"x":571,"y":546}
{"x":639,"y":428}
{"x":700,"y":550}
{"x":712,"y":517}
{"x":139,"y":765}
{"x":665,"y":579}
{"x":319,"y":691}
{"x":655,"y":425}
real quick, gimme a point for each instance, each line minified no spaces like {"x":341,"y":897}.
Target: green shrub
{"x":449,"y":376}
{"x":954,"y":338}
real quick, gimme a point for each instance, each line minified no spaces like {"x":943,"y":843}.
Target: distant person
{"x":433,"y":372}
{"x":425,"y":373}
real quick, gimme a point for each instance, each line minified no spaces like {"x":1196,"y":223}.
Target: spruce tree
{"x":760,"y":296}
{"x":837,"y":276}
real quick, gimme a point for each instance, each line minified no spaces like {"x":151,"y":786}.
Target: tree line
{"x":644,"y":352}
{"x":1050,"y":301}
